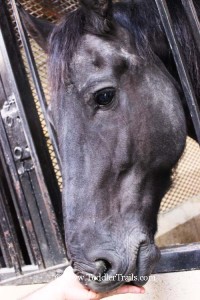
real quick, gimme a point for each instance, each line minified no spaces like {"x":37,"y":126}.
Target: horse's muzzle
{"x":112,"y":271}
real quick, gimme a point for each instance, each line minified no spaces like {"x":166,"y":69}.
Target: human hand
{"x":74,"y":290}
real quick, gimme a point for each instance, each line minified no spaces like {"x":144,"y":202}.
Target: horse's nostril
{"x":102,"y":266}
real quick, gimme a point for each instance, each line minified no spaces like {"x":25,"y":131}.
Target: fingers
{"x":125,"y":290}
{"x":80,"y":292}
{"x":89,"y":295}
{"x":83,"y":295}
{"x":129,"y":289}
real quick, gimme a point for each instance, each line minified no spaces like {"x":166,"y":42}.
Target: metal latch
{"x":14,"y":129}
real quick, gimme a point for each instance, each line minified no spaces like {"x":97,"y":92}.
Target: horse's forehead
{"x":94,"y":44}
{"x":98,"y":57}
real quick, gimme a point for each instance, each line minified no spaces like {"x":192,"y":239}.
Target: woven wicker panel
{"x":49,"y":9}
{"x":186,"y":178}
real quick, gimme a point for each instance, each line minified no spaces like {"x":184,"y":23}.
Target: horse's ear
{"x":38,"y":29}
{"x":100,"y":7}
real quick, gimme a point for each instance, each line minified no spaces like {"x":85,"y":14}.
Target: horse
{"x":121,"y":122}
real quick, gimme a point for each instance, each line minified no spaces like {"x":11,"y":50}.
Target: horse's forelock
{"x":64,"y":41}
{"x":62,"y":45}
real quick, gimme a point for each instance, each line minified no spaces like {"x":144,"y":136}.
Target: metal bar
{"x":181,"y":66}
{"x":13,"y":67}
{"x":15,"y":189}
{"x":7,"y":235}
{"x":5,"y":255}
{"x":173,"y":259}
{"x":24,"y":166}
{"x":19,"y":200}
{"x":9,"y":219}
{"x":41,"y":221}
{"x":13,"y":78}
{"x":7,"y":274}
{"x":193,"y":19}
{"x":179,"y":258}
{"x":40,"y":276}
{"x":35,"y":76}
{"x":2,"y":262}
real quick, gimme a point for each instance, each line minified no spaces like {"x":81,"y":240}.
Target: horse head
{"x":121,"y":130}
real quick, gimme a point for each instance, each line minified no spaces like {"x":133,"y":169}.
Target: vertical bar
{"x":2,"y":262}
{"x":35,"y":76}
{"x":15,"y":84}
{"x":5,"y":255}
{"x":11,"y":255}
{"x":6,"y":209}
{"x":181,"y":66}
{"x":13,"y":64}
{"x":193,"y":19}
{"x":19,"y":200}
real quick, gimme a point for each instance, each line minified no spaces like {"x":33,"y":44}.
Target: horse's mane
{"x":63,"y":42}
{"x":141,"y":19}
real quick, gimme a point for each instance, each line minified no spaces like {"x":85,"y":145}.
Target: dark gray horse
{"x":121,"y":129}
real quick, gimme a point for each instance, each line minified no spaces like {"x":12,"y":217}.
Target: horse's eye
{"x":104,"y":97}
